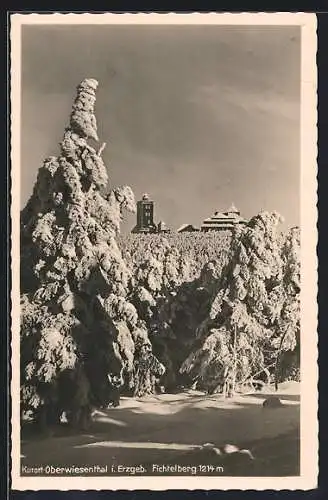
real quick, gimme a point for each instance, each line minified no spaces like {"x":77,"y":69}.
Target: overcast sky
{"x":198,"y":117}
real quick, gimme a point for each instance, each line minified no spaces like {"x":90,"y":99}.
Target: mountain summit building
{"x":223,"y":221}
{"x":219,"y":221}
{"x":145,"y":218}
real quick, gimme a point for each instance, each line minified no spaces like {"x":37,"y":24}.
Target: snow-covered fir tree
{"x":254,"y":311}
{"x":78,"y":329}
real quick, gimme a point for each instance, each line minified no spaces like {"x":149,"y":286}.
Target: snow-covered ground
{"x":171,"y":428}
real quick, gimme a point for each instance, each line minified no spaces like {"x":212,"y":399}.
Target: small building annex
{"x":187,"y":228}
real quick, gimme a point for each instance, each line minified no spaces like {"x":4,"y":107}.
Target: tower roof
{"x":233,"y":209}
{"x":145,"y":197}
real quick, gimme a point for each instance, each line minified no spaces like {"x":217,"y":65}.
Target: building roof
{"x":222,"y":220}
{"x":218,"y":226}
{"x":233,"y":210}
{"x":186,"y":226}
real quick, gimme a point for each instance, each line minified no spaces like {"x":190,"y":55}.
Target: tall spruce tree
{"x":78,"y":328}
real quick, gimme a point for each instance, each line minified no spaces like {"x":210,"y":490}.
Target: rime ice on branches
{"x":253,"y":313}
{"x":83,"y":120}
{"x":89,"y":316}
{"x":74,"y":280}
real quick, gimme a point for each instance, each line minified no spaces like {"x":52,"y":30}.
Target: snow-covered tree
{"x":77,"y":325}
{"x":288,"y":355}
{"x":217,"y":310}
{"x":254,"y":304}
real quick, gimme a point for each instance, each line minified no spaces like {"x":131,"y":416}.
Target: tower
{"x":145,"y":216}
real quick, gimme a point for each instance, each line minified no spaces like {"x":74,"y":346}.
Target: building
{"x":220,"y":221}
{"x":145,"y":218}
{"x":223,"y":221}
{"x":187,"y":228}
{"x":162,"y":227}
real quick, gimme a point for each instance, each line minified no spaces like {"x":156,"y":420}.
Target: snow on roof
{"x":232,"y":213}
{"x":184,"y":226}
